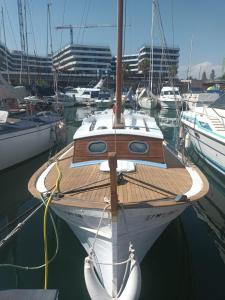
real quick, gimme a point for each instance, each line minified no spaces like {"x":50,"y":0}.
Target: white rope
{"x":111,"y":264}
{"x":99,"y":224}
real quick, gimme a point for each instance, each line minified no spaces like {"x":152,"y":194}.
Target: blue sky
{"x":202,"y":21}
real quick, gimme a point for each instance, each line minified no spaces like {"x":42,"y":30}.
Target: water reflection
{"x":204,"y":227}
{"x":211,"y":209}
{"x":189,"y":254}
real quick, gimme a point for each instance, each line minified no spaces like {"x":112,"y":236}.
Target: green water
{"x":186,"y":262}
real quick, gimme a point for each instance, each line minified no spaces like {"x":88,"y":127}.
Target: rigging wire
{"x":32,"y":28}
{"x":82,"y":20}
{"x":17,"y":218}
{"x":6,"y":54}
{"x":124,"y":26}
{"x":63,"y":19}
{"x":172,"y":21}
{"x":10,"y":24}
{"x":85,"y":21}
{"x":27,"y":268}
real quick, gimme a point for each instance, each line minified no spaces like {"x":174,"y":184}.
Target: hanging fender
{"x":94,"y":287}
{"x":97,"y":291}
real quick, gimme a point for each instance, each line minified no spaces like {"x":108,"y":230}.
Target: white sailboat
{"x":145,"y":97}
{"x":24,"y":138}
{"x":120,"y":187}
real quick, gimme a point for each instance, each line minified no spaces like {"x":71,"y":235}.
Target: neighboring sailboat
{"x":27,"y":136}
{"x":23,"y":138}
{"x":144,"y":96}
{"x":117,"y":186}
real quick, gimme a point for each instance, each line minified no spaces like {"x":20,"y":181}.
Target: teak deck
{"x":87,"y":186}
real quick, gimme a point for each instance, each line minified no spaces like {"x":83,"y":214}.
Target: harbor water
{"x":187,"y":262}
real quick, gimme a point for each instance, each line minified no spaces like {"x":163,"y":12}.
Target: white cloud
{"x":197,"y":70}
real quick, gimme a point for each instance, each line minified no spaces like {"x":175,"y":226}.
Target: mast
{"x":49,"y":32}
{"x":6,"y":54}
{"x":26,"y":41}
{"x":118,"y":122}
{"x":22,"y":38}
{"x":152,"y":47}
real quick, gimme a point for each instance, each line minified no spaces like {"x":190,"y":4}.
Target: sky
{"x":198,"y":23}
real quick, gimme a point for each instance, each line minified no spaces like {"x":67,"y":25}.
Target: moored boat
{"x":117,"y":186}
{"x":26,"y":137}
{"x":153,"y":187}
{"x":170,"y":98}
{"x":206,"y":130}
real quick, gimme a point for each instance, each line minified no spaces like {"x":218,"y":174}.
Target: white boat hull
{"x":147,"y":103}
{"x":170,"y":104}
{"x":137,"y":226}
{"x":20,"y":145}
{"x":211,"y":150}
{"x":103,"y":103}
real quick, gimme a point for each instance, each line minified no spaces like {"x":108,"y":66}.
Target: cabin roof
{"x":135,"y":124}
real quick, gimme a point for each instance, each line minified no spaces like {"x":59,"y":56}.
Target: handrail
{"x":208,"y":115}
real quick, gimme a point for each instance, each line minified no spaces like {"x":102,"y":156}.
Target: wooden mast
{"x":118,"y":122}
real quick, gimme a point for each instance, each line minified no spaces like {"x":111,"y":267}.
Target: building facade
{"x":16,"y":65}
{"x":79,"y":64}
{"x":165,"y":60}
{"x":83,"y":60}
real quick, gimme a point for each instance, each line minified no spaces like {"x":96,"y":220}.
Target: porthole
{"x":97,"y":147}
{"x":138,"y":147}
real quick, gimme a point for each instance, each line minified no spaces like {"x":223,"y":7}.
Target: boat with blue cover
{"x":25,"y":137}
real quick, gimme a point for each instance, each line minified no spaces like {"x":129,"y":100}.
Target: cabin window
{"x":97,"y":147}
{"x":138,"y":147}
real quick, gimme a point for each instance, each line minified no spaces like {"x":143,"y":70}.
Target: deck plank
{"x":90,"y":185}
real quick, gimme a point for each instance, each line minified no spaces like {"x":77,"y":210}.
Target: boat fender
{"x":187,"y":141}
{"x":96,"y":290}
{"x":181,"y":132}
{"x":133,"y":287}
{"x":94,"y":287}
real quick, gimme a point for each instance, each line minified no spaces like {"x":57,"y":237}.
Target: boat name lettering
{"x":74,"y":214}
{"x":162,"y":215}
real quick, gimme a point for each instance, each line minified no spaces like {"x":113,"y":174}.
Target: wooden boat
{"x":117,"y":186}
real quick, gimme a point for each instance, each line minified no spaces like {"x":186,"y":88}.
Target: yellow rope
{"x":55,"y":190}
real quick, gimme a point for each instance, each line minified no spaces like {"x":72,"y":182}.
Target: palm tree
{"x":125,"y":70}
{"x":144,"y":66}
{"x":173,"y":71}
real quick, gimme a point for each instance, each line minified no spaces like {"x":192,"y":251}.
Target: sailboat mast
{"x":152,"y":47}
{"x":6,"y":54}
{"x":119,"y":63}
